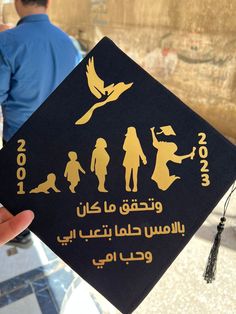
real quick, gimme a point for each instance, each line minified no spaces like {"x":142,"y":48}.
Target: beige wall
{"x":1,"y":5}
{"x":190,"y":46}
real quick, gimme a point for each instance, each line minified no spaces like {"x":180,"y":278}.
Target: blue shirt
{"x":35,"y":57}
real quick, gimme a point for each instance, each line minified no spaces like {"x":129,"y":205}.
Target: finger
{"x":4,"y":214}
{"x":15,"y":225}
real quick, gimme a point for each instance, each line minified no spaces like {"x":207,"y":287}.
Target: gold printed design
{"x":131,"y":162}
{"x":128,"y":206}
{"x":99,"y":90}
{"x":99,"y":162}
{"x":44,"y":187}
{"x":203,"y":154}
{"x":72,"y":170}
{"x":116,"y":256}
{"x":175,"y":228}
{"x":166,"y":152}
{"x":21,"y":160}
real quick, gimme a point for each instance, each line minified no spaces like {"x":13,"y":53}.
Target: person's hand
{"x":144,"y":160}
{"x":11,"y":226}
{"x":192,"y":154}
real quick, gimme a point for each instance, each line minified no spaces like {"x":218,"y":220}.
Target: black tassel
{"x":209,"y":274}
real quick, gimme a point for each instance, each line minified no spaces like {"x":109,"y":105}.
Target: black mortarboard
{"x":119,"y":172}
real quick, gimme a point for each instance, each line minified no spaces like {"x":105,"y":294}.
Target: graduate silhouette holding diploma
{"x":131,"y":162}
{"x":50,"y":183}
{"x":166,"y":152}
{"x":99,"y":162}
{"x":72,"y":170}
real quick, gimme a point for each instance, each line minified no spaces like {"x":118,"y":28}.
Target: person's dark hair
{"x":42,"y":3}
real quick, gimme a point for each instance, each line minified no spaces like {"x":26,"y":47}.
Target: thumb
{"x":15,"y":225}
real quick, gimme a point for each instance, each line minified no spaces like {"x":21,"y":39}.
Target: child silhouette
{"x":72,"y":170}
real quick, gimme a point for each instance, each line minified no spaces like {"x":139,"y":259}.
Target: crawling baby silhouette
{"x":44,"y":187}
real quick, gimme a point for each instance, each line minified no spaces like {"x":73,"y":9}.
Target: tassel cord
{"x":209,"y":274}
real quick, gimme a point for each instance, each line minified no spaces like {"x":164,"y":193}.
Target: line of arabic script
{"x":129,"y":231}
{"x":133,"y":257}
{"x":127,"y":207}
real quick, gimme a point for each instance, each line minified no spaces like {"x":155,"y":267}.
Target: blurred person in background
{"x":35,"y":57}
{"x":4,"y":27}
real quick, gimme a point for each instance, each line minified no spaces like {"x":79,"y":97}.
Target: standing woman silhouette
{"x":99,"y":162}
{"x":131,"y":162}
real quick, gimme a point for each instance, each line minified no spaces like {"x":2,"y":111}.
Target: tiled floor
{"x":36,"y":281}
{"x":29,"y":304}
{"x":26,"y":260}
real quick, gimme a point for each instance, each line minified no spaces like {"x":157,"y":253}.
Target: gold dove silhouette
{"x":97,"y":88}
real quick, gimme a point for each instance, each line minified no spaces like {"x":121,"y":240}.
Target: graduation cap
{"x":119,"y":172}
{"x":167,"y":130}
